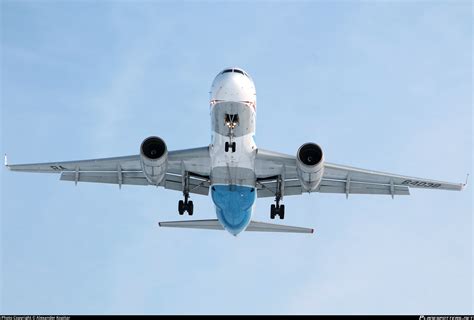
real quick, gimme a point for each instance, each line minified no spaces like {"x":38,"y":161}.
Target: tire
{"x":226,"y":147}
{"x":181,"y":207}
{"x":282,"y":212}
{"x":233,"y":146}
{"x":190,"y":208}
{"x":272,"y":211}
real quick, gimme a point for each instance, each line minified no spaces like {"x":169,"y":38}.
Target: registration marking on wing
{"x":425,"y":184}
{"x":58,"y":168}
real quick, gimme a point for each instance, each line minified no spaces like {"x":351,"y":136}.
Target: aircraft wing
{"x":271,"y":166}
{"x":127,"y":170}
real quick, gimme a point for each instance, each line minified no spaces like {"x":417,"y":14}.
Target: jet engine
{"x":154,"y":159}
{"x":310,"y":166}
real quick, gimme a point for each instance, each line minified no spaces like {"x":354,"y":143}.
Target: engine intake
{"x":310,"y":165}
{"x":154,"y":159}
{"x":153,"y":148}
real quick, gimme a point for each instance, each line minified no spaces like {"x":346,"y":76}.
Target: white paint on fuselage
{"x":243,"y":157}
{"x":234,"y":86}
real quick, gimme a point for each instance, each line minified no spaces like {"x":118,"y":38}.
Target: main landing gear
{"x":185,"y":205}
{"x":277,"y":209}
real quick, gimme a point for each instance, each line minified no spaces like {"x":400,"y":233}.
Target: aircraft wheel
{"x":282,"y":212}
{"x":181,"y":207}
{"x":190,"y":208}
{"x":272,"y":211}
{"x":233,"y":146}
{"x":226,"y":147}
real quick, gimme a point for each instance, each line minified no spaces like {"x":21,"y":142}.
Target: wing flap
{"x":197,"y":184}
{"x":267,"y":187}
{"x":334,"y":186}
{"x":172,"y":182}
{"x":128,"y":178}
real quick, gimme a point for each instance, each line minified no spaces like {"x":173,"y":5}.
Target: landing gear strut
{"x":185,"y":205}
{"x":277,"y":209}
{"x":231,"y":121}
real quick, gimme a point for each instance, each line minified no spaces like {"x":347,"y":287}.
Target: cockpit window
{"x":235,"y":70}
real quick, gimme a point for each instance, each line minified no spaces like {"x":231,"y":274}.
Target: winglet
{"x":465,"y":183}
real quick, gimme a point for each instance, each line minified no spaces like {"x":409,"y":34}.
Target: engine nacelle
{"x":154,"y":159}
{"x":310,"y":166}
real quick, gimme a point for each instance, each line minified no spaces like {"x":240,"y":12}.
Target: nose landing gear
{"x":231,"y":121}
{"x":228,"y":146}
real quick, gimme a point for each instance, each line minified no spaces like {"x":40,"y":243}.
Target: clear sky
{"x":379,"y":85}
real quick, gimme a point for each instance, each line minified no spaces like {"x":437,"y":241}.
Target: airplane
{"x":232,"y":169}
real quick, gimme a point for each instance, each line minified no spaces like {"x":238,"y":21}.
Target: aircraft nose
{"x":232,"y":85}
{"x":228,"y":87}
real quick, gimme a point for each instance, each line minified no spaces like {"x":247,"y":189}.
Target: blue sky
{"x":379,"y":85}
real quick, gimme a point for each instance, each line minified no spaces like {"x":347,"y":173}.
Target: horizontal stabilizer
{"x":271,"y":227}
{"x":213,"y":224}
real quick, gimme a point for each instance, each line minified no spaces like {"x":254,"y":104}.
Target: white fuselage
{"x":233,"y":149}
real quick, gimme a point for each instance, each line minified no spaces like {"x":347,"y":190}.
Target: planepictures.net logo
{"x":446,"y":317}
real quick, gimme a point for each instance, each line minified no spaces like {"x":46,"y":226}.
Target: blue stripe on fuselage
{"x":233,"y":206}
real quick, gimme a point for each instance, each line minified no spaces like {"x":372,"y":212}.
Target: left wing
{"x":276,"y":169}
{"x":127,"y":170}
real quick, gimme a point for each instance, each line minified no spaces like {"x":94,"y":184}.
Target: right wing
{"x":127,"y":170}
{"x":273,"y":168}
{"x":337,"y":177}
